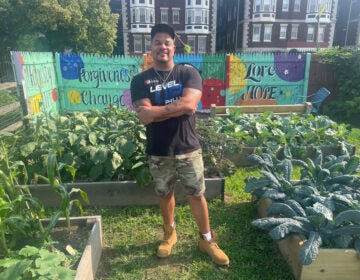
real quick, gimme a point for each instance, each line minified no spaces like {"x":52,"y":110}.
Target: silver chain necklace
{"x":162,"y":79}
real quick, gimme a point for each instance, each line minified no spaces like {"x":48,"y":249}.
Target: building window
{"x":198,"y":2}
{"x":285,"y":6}
{"x":297,"y":6}
{"x":164,"y":16}
{"x":147,"y":44}
{"x":176,"y":15}
{"x":202,"y":45}
{"x":188,"y":16}
{"x":137,"y":44}
{"x":257,"y":6}
{"x":310,"y":34}
{"x":294,"y":31}
{"x":264,"y":6}
{"x":141,"y":1}
{"x":267,"y":33}
{"x":133,"y":15}
{"x":321,"y":34}
{"x":142,"y":15}
{"x":205,"y":16}
{"x":198,"y":17}
{"x":267,"y":5}
{"x":191,"y":42}
{"x":312,"y":6}
{"x":283,"y":29}
{"x":256,"y":33}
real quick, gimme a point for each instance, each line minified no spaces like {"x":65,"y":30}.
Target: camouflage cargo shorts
{"x":186,"y":170}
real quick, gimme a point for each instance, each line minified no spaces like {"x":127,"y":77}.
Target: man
{"x":165,"y":98}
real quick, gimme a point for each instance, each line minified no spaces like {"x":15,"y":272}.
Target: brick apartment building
{"x":275,"y":25}
{"x":193,"y":20}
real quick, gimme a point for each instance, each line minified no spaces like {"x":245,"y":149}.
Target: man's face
{"x":162,"y":48}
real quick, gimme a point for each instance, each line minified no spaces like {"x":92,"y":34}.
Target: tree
{"x":57,"y":25}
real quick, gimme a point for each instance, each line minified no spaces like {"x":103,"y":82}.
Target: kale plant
{"x":323,"y":205}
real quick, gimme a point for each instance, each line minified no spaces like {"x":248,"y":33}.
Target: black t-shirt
{"x":176,"y":135}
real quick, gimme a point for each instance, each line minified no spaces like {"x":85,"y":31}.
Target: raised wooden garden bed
{"x":330,"y":264}
{"x":90,"y":228}
{"x":122,"y":193}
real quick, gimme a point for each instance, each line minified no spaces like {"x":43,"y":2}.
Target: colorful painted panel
{"x":36,"y":73}
{"x":213,"y":72}
{"x":276,"y":78}
{"x":95,"y":81}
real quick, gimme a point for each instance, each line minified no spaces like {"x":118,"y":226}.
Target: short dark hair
{"x":162,"y":28}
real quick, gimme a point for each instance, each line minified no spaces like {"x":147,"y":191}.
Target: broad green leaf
{"x":92,"y":138}
{"x":72,"y":138}
{"x":27,"y":148}
{"x":309,"y":250}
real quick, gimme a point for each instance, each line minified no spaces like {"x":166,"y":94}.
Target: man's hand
{"x":145,"y":114}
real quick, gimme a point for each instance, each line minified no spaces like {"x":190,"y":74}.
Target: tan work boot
{"x":164,"y":250}
{"x":212,"y":249}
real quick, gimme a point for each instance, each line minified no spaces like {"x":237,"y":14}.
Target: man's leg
{"x":167,"y":208}
{"x":207,"y":243}
{"x":199,"y":209}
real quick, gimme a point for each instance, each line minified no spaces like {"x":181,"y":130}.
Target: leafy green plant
{"x":323,"y":205}
{"x":34,"y":263}
{"x":273,"y":133}
{"x":100,"y":146}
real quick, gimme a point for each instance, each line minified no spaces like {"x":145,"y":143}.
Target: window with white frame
{"x":283,"y":28}
{"x":312,"y":6}
{"x":141,"y":1}
{"x":257,"y":6}
{"x":198,"y":2}
{"x":137,"y":44}
{"x":206,"y":16}
{"x":202,"y":44}
{"x":147,"y":44}
{"x":164,"y":15}
{"x":267,"y":33}
{"x":256,"y":32}
{"x":191,"y":42}
{"x":142,"y":15}
{"x":297,"y":5}
{"x":197,"y":16}
{"x":188,"y":17}
{"x":310,"y":33}
{"x":264,"y":6}
{"x":321,"y":34}
{"x":294,"y":31}
{"x":133,"y":15}
{"x":285,"y":5}
{"x":267,"y":5}
{"x":176,"y":15}
{"x":152,"y":16}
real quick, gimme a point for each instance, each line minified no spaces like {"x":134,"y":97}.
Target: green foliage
{"x":323,"y":205}
{"x":49,"y":25}
{"x":34,"y":263}
{"x":347,"y":104}
{"x":281,"y":136}
{"x":99,"y":146}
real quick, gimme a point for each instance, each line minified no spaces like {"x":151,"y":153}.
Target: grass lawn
{"x":131,"y":236}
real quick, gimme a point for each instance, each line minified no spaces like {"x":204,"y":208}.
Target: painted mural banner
{"x":89,"y":81}
{"x":270,"y":78}
{"x":81,"y":82}
{"x":35,"y":73}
